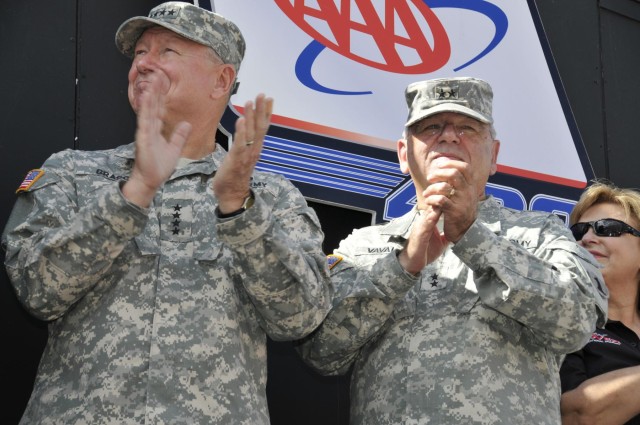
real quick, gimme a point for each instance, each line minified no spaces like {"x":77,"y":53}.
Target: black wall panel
{"x":620,"y":39}
{"x":571,"y":28}
{"x":37,"y":98}
{"x":595,"y":46}
{"x":104,"y":117}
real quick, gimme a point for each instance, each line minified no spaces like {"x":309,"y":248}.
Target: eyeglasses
{"x":609,"y":227}
{"x":436,"y":129}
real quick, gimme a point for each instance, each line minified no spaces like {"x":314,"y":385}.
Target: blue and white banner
{"x":337,"y":70}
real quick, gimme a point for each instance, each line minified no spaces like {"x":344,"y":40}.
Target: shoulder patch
{"x":30,"y":179}
{"x":333,"y":260}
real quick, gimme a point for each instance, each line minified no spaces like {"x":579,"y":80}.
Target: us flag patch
{"x":333,"y":260}
{"x":30,"y":179}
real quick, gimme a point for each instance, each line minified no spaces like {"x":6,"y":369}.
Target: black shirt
{"x":612,"y":348}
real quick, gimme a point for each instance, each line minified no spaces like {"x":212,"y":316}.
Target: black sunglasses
{"x":609,"y":227}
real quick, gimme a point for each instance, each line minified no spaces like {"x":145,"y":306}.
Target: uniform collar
{"x":206,"y":165}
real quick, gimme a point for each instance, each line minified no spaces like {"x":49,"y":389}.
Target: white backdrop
{"x":531,"y":124}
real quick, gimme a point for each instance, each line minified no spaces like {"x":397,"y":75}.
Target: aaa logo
{"x":408,"y":36}
{"x":397,"y":26}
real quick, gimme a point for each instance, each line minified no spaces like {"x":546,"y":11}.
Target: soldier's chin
{"x":443,"y":161}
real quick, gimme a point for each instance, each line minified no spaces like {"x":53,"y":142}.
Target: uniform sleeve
{"x":278,"y":245}
{"x":554,"y":288}
{"x":362,"y":306}
{"x":55,"y":250}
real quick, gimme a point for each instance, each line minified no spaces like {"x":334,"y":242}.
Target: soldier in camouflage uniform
{"x":460,"y":311}
{"x":163,"y":265}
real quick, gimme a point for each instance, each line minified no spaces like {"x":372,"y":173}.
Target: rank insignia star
{"x":434,"y":280}
{"x":446,"y":92}
{"x":176,"y":222}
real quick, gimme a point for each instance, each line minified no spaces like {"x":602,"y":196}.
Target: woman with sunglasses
{"x":601,"y":382}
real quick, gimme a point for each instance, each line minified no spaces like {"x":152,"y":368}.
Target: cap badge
{"x":446,"y":92}
{"x":164,"y":12}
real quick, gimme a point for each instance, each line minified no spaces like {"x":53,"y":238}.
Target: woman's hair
{"x":602,"y":191}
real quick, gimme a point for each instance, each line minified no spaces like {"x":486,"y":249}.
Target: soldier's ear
{"x":225,"y":84}
{"x":403,"y":148}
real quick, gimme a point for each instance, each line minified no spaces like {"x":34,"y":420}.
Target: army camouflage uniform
{"x":476,"y":338}
{"x":160,"y":315}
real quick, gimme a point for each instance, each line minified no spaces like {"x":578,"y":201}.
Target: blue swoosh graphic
{"x":491,"y":11}
{"x":303,"y":70}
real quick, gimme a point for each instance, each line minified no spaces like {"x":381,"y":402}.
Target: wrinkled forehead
{"x":606,"y":209}
{"x":162,"y":33}
{"x":158,"y":34}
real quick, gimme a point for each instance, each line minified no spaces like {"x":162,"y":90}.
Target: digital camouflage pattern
{"x":193,"y":22}
{"x":476,"y":338}
{"x":463,"y":95}
{"x":160,"y":315}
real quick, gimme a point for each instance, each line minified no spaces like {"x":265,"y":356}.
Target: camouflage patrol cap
{"x":192,"y":22}
{"x":463,"y":95}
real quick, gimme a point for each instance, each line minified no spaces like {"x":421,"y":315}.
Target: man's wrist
{"x":137,"y":193}
{"x":248,"y":202}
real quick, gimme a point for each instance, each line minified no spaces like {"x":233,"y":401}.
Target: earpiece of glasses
{"x":609,"y":227}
